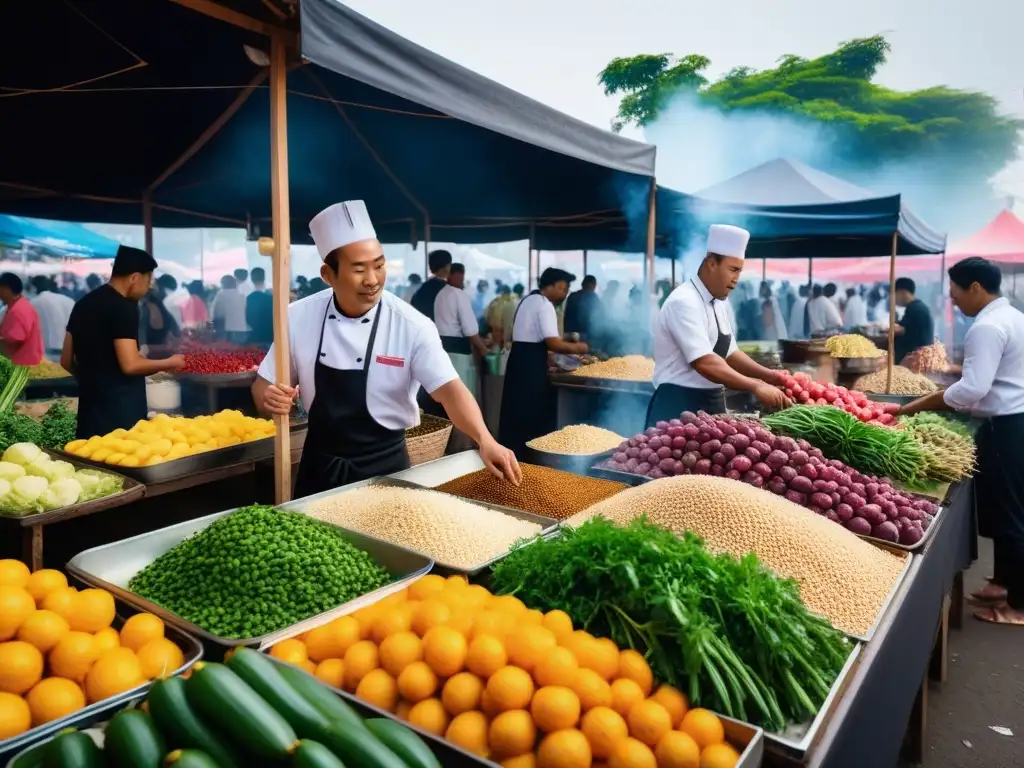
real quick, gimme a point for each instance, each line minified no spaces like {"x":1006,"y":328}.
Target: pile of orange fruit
{"x":58,"y":650}
{"x":507,"y":683}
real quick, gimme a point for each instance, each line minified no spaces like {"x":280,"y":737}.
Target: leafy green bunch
{"x":728,"y":632}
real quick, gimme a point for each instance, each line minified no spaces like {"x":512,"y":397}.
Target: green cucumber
{"x":179,"y":723}
{"x":132,"y":741}
{"x":403,"y":742}
{"x":72,"y":749}
{"x":223,"y":700}
{"x":338,"y":713}
{"x":312,"y":754}
{"x":189,"y":758}
{"x":264,"y":677}
{"x":31,"y":758}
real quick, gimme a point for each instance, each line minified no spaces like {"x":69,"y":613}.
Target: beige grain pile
{"x":841,"y":577}
{"x":577,"y":440}
{"x":904,"y":382}
{"x":452,"y":531}
{"x":628,"y":368}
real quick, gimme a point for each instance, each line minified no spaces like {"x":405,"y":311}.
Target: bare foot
{"x":1005,"y":615}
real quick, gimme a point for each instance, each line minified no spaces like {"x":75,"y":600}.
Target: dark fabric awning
{"x":370,"y":116}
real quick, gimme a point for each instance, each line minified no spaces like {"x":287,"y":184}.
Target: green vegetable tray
{"x":131,"y":490}
{"x":99,"y":711}
{"x":112,"y":566}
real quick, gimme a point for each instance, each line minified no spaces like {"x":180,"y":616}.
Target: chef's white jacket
{"x":687,"y":329}
{"x":406,"y":355}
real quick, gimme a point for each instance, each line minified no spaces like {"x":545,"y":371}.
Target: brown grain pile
{"x":577,"y":440}
{"x":904,"y":382}
{"x":628,"y":368}
{"x":544,"y":491}
{"x":841,"y":577}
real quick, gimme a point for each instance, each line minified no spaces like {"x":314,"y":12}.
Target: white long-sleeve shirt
{"x":54,"y":310}
{"x":796,"y":318}
{"x":992,"y":383}
{"x":823,"y":315}
{"x":856,"y":311}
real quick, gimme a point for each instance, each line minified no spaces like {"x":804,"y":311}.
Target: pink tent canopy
{"x":1001,"y":240}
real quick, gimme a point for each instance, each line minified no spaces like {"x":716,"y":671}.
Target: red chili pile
{"x":802,"y":389}
{"x":216,"y":361}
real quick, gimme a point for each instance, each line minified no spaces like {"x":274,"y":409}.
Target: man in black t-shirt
{"x":101,"y":348}
{"x":916,"y":329}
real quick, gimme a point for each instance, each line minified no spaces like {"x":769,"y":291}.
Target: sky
{"x":552,"y":50}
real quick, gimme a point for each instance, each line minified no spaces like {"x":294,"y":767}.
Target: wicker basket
{"x":430,"y":445}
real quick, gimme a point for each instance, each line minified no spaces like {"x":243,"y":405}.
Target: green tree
{"x":875,"y":124}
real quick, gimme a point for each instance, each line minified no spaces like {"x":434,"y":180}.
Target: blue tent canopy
{"x":370,"y":116}
{"x":59,"y":238}
{"x":795,"y":211}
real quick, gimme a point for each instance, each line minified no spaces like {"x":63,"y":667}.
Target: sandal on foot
{"x":999,"y":616}
{"x":991,"y":593}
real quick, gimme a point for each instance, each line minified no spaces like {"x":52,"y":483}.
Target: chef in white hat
{"x":695,"y":351}
{"x":359,"y":355}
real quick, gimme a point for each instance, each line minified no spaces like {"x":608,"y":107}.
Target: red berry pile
{"x":212,"y":362}
{"x":800,"y":388}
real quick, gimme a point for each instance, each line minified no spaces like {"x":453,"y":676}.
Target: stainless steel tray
{"x":193,"y":652}
{"x":548,"y":525}
{"x":225,"y":380}
{"x":907,"y":547}
{"x":431,"y":474}
{"x":594,"y":383}
{"x":111,"y":567}
{"x":255,"y":450}
{"x":577,"y":464}
{"x":797,"y":739}
{"x":892,"y":592}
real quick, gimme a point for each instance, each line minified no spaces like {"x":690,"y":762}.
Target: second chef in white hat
{"x":359,"y":355}
{"x":695,"y":353}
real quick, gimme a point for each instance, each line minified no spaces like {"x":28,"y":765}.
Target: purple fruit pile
{"x":743,"y":449}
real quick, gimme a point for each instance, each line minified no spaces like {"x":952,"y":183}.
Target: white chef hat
{"x":341,"y":224}
{"x":726,"y":240}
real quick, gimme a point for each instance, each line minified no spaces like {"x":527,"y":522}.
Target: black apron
{"x":528,"y":405}
{"x":423,"y":299}
{"x":107,"y":403}
{"x":999,"y":481}
{"x":344,"y":443}
{"x":670,"y":400}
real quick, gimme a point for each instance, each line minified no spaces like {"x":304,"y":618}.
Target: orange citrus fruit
{"x":528,"y":646}
{"x":625,"y":693}
{"x":429,"y":614}
{"x":493,"y":623}
{"x":43,"y":629}
{"x":107,"y":639}
{"x":423,"y":588}
{"x":461,"y":693}
{"x":558,"y":622}
{"x":603,"y":657}
{"x":508,"y":604}
{"x":704,"y":726}
{"x":512,"y":734}
{"x":331,"y":672}
{"x":379,"y":689}
{"x":331,"y":640}
{"x":719,"y":756}
{"x":417,"y":682}
{"x":291,"y":650}
{"x":510,"y":688}
{"x":429,"y":715}
{"x":633,"y":666}
{"x":487,"y":705}
{"x":15,"y":606}
{"x":476,"y":597}
{"x":15,"y":716}
{"x":648,"y":721}
{"x":74,"y":655}
{"x":43,"y":582}
{"x":403,"y":709}
{"x":398,"y":651}
{"x":59,"y":601}
{"x":554,"y":708}
{"x":592,"y":689}
{"x":54,"y":698}
{"x":160,"y":658}
{"x":91,"y":610}
{"x":21,"y":666}
{"x":396,"y":618}
{"x":558,"y":667}
{"x":632,"y":754}
{"x":140,"y":629}
{"x":677,"y":750}
{"x":486,"y":655}
{"x":564,"y":749}
{"x":361,"y":659}
{"x":13,"y":573}
{"x":529,"y":760}
{"x":672,"y":700}
{"x":114,"y":673}
{"x":469,"y":731}
{"x":604,"y":729}
{"x":445,"y":649}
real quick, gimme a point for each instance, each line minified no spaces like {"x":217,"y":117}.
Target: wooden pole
{"x":529,"y":261}
{"x":673,"y":270}
{"x":892,"y":314}
{"x":147,"y":221}
{"x":764,"y":270}
{"x":282,"y":257}
{"x":584,"y":262}
{"x":652,"y":217}
{"x":426,"y":247}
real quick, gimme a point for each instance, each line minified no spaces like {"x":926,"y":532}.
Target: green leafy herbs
{"x":18,"y":428}
{"x":13,"y":387}
{"x":728,"y":632}
{"x":59,"y":426}
{"x":870,"y":449}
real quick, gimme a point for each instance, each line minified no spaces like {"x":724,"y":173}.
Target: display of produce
{"x":904,"y":382}
{"x":246,"y":712}
{"x":32,"y":482}
{"x":47,"y":370}
{"x":889,"y":453}
{"x":543,"y":491}
{"x":53,"y":430}
{"x":13,"y":379}
{"x":701,"y":620}
{"x":852,"y":345}
{"x":258,"y":570}
{"x":59,"y":652}
{"x":749,"y":452}
{"x":577,"y":440}
{"x":451,"y":531}
{"x":506,"y":682}
{"x":628,"y":368}
{"x":949,"y":450}
{"x":802,"y":389}
{"x":841,"y":577}
{"x":213,"y":361}
{"x":930,"y":359}
{"x":164,"y":438}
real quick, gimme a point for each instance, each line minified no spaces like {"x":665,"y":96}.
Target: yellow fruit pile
{"x":59,"y":652}
{"x":507,"y":683}
{"x":165,"y":438}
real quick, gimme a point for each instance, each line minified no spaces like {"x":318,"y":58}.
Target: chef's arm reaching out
{"x":462,"y":409}
{"x":555,"y":344}
{"x":715,"y":369}
{"x":132,"y":363}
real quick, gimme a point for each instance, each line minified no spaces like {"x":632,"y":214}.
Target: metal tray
{"x":255,"y":450}
{"x":594,"y":383}
{"x":898,"y":399}
{"x":907,"y":547}
{"x":193,"y":651}
{"x":747,"y":736}
{"x":131,"y":490}
{"x":577,"y":464}
{"x":548,"y":525}
{"x":797,"y":739}
{"x":218,"y":379}
{"x":111,"y":567}
{"x":884,"y":607}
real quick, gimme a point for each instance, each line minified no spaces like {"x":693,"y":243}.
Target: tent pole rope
{"x":891,"y":361}
{"x":652,"y":216}
{"x":147,"y":221}
{"x":282,"y":257}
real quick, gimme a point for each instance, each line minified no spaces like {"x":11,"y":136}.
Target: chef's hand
{"x":771,"y":397}
{"x":279,"y":398}
{"x":500,"y":461}
{"x":175,"y":362}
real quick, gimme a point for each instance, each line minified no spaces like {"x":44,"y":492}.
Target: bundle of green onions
{"x":728,"y":632}
{"x":949,"y":451}
{"x":14,"y":378}
{"x":870,"y":449}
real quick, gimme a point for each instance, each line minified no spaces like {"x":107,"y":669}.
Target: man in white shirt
{"x":695,"y":351}
{"x":992,"y":387}
{"x":242,"y":284}
{"x":856,"y":311}
{"x":53,"y":310}
{"x":458,"y":327}
{"x":822,"y":313}
{"x":798,"y":327}
{"x":359,"y":355}
{"x":228,"y":311}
